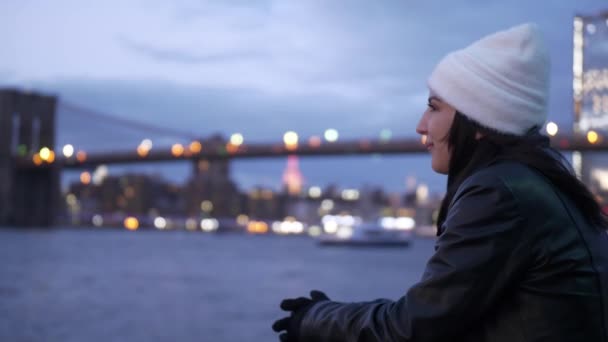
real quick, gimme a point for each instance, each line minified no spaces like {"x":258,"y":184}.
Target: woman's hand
{"x":297,"y":308}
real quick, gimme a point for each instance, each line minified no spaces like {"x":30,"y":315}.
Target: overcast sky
{"x":261,"y":68}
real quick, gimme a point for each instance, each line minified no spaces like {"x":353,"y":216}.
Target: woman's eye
{"x":431,"y":106}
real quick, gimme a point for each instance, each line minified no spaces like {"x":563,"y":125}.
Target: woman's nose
{"x":421,"y":127}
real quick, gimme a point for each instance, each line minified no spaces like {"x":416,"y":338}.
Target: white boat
{"x":367,"y":234}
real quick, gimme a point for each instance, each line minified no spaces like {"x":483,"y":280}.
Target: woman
{"x":522,"y":252}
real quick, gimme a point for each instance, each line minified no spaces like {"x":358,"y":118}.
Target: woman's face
{"x":435,"y":125}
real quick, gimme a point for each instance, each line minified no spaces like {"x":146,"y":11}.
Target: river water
{"x":111,"y":285}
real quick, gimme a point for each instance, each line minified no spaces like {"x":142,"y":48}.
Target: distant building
{"x":590,"y":91}
{"x":263,"y":203}
{"x":302,"y":208}
{"x":292,"y":177}
{"x":131,"y":194}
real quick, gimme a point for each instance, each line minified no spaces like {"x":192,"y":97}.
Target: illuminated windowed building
{"x":590,"y":90}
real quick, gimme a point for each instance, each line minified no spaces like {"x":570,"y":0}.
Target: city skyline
{"x":132,"y":200}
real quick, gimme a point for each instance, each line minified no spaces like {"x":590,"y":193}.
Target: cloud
{"x":182,"y":56}
{"x":352,"y":50}
{"x":276,"y":51}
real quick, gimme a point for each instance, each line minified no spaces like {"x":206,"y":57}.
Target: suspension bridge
{"x":31,"y":163}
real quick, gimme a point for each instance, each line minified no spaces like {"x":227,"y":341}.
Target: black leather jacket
{"x":516,"y":262}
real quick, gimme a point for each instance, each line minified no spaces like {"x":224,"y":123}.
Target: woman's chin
{"x":439,"y":169}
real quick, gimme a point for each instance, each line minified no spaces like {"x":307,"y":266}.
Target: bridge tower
{"x":211,"y":183}
{"x":28,"y":197}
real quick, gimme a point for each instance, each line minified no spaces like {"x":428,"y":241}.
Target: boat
{"x":367,"y":234}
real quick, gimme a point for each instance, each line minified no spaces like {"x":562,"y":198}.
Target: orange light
{"x":314,"y":141}
{"x":37,"y":160}
{"x":142,"y":151}
{"x":81,"y":156}
{"x":131,"y":223}
{"x":423,"y":139}
{"x":231,"y":148}
{"x":177,"y":150}
{"x":51,"y":157}
{"x":593,"y":137}
{"x":257,"y":227}
{"x":195,"y":147}
{"x":291,"y":147}
{"x":85,"y":178}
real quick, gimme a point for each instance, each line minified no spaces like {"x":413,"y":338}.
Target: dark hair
{"x":532,"y":149}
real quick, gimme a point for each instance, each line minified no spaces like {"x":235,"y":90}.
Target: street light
{"x":177,"y":150}
{"x":51,"y":158}
{"x":386,"y":135}
{"x":236,"y":139}
{"x":196,"y":147}
{"x":552,"y":128}
{"x":85,"y":178}
{"x":131,"y":223}
{"x":291,"y":140}
{"x":592,"y":137}
{"x":331,"y":135}
{"x":146,"y":143}
{"x":314,"y":141}
{"x":142,"y":151}
{"x":81,"y":156}
{"x":45,"y":153}
{"x":36,"y":159}
{"x":68,"y":151}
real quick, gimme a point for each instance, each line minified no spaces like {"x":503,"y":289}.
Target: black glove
{"x":298,"y":308}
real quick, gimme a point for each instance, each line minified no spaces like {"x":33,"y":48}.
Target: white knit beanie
{"x":501,"y":81}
